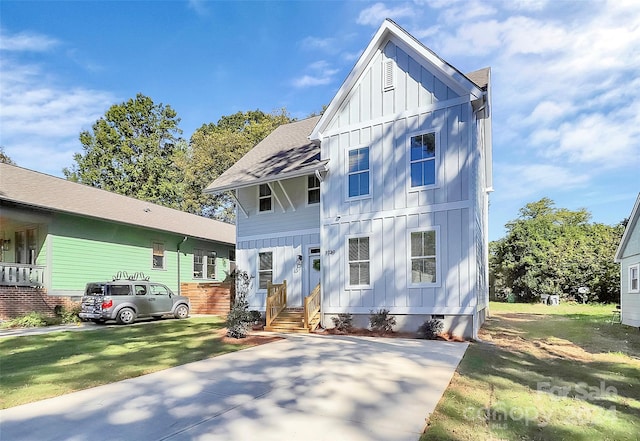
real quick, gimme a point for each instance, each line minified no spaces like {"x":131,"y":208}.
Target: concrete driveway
{"x":306,"y":387}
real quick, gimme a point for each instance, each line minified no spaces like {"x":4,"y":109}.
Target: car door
{"x":162,"y":302}
{"x":142,"y":299}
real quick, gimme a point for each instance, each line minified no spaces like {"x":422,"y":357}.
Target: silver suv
{"x":126,"y":300}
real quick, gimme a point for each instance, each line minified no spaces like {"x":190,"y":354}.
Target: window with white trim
{"x":634,"y":278}
{"x":313,"y":190}
{"x":265,"y":198}
{"x":359,"y":262}
{"x":265,"y":269}
{"x":158,"y":255}
{"x":423,"y":257}
{"x":358,"y":172}
{"x":204,"y":264}
{"x":423,"y":159}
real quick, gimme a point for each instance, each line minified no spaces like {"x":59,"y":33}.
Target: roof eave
{"x":633,"y":220}
{"x":211,"y":189}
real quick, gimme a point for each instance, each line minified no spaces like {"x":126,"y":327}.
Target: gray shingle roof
{"x":480,"y":77}
{"x":285,"y":153}
{"x":31,"y":188}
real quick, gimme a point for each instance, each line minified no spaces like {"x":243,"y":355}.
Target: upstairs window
{"x":358,"y":172}
{"x":265,"y":269}
{"x":423,"y":257}
{"x":634,"y":278}
{"x":313,"y":190}
{"x":423,"y":160}
{"x":158,"y":255}
{"x":204,"y":264}
{"x":359,"y":262}
{"x":265,"y":198}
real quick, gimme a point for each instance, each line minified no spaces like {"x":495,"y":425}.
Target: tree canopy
{"x":4,"y":158}
{"x":214,"y":148}
{"x":549,"y":250}
{"x":132,"y":150}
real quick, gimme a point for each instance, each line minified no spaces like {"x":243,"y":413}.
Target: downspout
{"x":179,"y":285}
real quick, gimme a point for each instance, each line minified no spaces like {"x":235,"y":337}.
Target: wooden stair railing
{"x":312,"y":309}
{"x":276,"y":300}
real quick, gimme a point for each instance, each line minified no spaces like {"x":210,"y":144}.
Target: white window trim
{"x":348,"y":198}
{"x":164,"y":255}
{"x":438,"y":281}
{"x":348,"y":286}
{"x":306,"y":179}
{"x":273,"y":265}
{"x":436,"y":159}
{"x":637,"y":268}
{"x":259,"y":197}
{"x":205,"y":264}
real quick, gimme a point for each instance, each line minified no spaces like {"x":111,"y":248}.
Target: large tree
{"x":4,"y":158}
{"x":132,"y":150}
{"x":214,"y":148}
{"x":549,"y":250}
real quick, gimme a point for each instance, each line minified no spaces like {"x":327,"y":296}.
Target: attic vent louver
{"x":388,"y":80}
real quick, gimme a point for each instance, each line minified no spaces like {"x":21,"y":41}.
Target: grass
{"x":544,"y":373}
{"x":42,"y":366}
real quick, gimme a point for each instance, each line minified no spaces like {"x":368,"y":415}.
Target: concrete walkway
{"x":306,"y":387}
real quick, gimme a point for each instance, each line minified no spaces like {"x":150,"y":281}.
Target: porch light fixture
{"x":299,"y":261}
{"x":4,"y":243}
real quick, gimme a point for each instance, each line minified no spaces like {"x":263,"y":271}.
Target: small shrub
{"x":255,"y":316}
{"x":381,"y":321}
{"x":31,"y":320}
{"x":430,"y":329}
{"x":239,"y":319}
{"x":343,"y":322}
{"x":70,"y":315}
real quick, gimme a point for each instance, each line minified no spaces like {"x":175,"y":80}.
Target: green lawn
{"x":41,"y":366}
{"x":545,"y":373}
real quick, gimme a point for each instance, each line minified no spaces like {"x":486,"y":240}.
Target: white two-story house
{"x":383,"y":200}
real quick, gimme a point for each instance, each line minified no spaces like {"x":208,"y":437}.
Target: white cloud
{"x":26,"y":42}
{"x":515,"y":181}
{"x":40,"y":119}
{"x":320,"y":73}
{"x":199,"y":7}
{"x":375,"y":14}
{"x":324,"y":44}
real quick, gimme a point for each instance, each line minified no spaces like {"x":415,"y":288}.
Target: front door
{"x":313,"y":274}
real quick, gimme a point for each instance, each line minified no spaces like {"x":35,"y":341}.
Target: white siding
{"x":420,"y":102}
{"x":282,"y":219}
{"x":630,"y":302}
{"x":285,"y":250}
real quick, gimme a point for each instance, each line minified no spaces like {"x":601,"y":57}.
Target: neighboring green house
{"x":57,"y":235}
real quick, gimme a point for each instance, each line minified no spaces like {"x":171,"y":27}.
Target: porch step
{"x":291,"y":320}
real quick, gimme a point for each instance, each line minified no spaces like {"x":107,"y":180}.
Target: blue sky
{"x":566,"y":78}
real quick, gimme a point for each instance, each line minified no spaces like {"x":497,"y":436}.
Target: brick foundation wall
{"x":208,"y":298}
{"x":19,"y":300}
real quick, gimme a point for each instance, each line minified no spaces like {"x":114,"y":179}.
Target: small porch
{"x":279,"y":318}
{"x":19,"y":274}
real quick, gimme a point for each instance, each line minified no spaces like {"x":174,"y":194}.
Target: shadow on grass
{"x":39,"y":366}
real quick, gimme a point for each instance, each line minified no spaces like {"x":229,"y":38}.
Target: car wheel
{"x":182,"y":312}
{"x":126,"y":316}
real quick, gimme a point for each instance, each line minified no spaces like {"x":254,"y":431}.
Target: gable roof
{"x":38,"y":190}
{"x":285,"y":153}
{"x":633,"y":223}
{"x":389,"y":29}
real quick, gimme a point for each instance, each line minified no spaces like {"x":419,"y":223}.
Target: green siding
{"x":84,"y":250}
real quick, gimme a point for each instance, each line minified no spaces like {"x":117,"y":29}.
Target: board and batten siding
{"x":285,"y":249}
{"x":384,"y":120}
{"x":390,"y":269}
{"x":283,"y":218}
{"x":630,"y":301}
